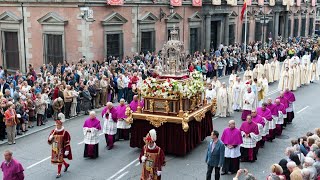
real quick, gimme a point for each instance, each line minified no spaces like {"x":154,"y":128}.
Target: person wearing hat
{"x":59,"y":139}
{"x":152,"y":157}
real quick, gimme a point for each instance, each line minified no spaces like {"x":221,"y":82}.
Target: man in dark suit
{"x":215,"y":156}
{"x":3,"y":85}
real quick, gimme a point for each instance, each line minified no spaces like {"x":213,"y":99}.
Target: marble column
{"x":286,"y":24}
{"x":276,"y":25}
{"x":208,"y":32}
{"x":226,"y":30}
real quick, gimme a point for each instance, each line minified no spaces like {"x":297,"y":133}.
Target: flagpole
{"x":245,"y":31}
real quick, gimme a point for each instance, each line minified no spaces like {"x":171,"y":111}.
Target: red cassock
{"x":59,"y":145}
{"x":154,"y":162}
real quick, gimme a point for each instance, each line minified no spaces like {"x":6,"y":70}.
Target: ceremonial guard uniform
{"x":59,"y":139}
{"x":152,"y":157}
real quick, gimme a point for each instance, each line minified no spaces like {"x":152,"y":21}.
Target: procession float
{"x":173,"y":103}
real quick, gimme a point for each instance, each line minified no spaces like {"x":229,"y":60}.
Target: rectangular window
{"x":54,"y":48}
{"x":310,"y":31}
{"x":114,"y":44}
{"x":147,"y":41}
{"x":303,"y":27}
{"x":295,"y":27}
{"x":194,"y":40}
{"x":289,"y":27}
{"x":232,"y":37}
{"x":258,"y":33}
{"x":270,"y":31}
{"x":11,"y":50}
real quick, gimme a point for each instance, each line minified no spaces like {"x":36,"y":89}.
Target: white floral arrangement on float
{"x":170,"y":88}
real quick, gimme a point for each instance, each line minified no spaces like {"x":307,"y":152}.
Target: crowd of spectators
{"x":77,"y":87}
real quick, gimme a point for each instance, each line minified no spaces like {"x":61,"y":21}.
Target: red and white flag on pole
{"x":197,"y":3}
{"x":115,"y":2}
{"x":243,"y":10}
{"x":176,"y":2}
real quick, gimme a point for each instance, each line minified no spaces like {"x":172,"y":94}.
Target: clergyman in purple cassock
{"x":123,"y":127}
{"x":265,"y":113}
{"x":91,"y":138}
{"x":232,"y":139}
{"x":281,"y":110}
{"x":290,"y":111}
{"x":285,"y":102}
{"x":249,"y":132}
{"x":272,"y":123}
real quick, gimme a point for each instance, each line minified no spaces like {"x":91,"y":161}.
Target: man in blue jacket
{"x":215,"y":155}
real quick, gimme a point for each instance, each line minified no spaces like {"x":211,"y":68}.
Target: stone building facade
{"x":38,"y":32}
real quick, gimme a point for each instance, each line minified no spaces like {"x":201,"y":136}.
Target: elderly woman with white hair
{"x":309,"y":172}
{"x":110,"y":118}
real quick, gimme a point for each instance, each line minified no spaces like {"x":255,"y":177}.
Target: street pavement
{"x":121,"y":162}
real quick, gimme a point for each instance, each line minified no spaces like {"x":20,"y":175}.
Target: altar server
{"x":210,"y":93}
{"x":110,"y":118}
{"x":91,"y":128}
{"x":59,"y":139}
{"x":249,"y":131}
{"x":152,"y":157}
{"x":248,"y":103}
{"x":232,"y":139}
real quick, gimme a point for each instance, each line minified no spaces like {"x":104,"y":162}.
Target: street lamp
{"x":264,"y":21}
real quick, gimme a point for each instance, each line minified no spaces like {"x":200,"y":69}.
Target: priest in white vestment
{"x":260,"y":69}
{"x":222,"y":101}
{"x":248,"y":74}
{"x":230,"y":100}
{"x":314,"y":74}
{"x":232,"y":77}
{"x":285,"y":64}
{"x":291,"y":82}
{"x":305,"y":74}
{"x":237,"y":89}
{"x":284,"y":80}
{"x":216,"y":83}
{"x":297,"y":75}
{"x":265,"y":86}
{"x":275,"y":69}
{"x":248,"y":103}
{"x":268,"y":71}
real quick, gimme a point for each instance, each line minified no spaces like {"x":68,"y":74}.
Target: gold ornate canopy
{"x":177,"y":96}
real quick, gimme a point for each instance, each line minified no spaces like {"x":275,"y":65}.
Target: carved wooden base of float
{"x":159,"y":120}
